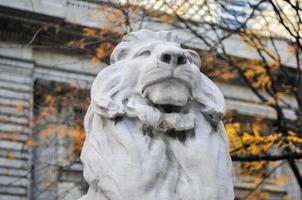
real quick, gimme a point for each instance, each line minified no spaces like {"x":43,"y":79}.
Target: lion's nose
{"x":173,"y":58}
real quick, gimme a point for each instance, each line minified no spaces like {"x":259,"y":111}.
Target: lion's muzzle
{"x":170,"y":79}
{"x":173,"y":57}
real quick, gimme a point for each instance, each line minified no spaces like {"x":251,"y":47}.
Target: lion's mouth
{"x":168,"y":108}
{"x":169,"y":95}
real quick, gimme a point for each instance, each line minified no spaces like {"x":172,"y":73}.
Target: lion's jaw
{"x":169,"y":103}
{"x":170,"y":91}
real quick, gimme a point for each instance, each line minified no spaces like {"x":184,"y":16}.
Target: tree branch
{"x":277,"y":157}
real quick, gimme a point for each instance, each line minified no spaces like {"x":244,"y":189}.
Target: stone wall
{"x":20,"y":166}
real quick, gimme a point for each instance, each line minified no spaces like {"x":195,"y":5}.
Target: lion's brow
{"x":149,"y":46}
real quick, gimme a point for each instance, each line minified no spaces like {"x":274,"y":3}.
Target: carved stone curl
{"x":154,"y":129}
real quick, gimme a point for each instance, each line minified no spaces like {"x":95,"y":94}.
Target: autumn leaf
{"x":89,"y":32}
{"x":286,"y":197}
{"x":114,"y":17}
{"x":224,"y":64}
{"x":47,"y":183}
{"x":10,"y":156}
{"x":232,"y":129}
{"x":258,"y":69}
{"x":249,"y":74}
{"x":58,"y":88}
{"x":292,"y":48}
{"x":100,"y":53}
{"x":95,"y":60}
{"x":228,"y":75}
{"x":273,"y":65}
{"x":78,"y":136}
{"x":101,"y":10}
{"x":166,"y":19}
{"x":209,"y":59}
{"x":30,"y":142}
{"x":259,"y":118}
{"x":48,"y":131}
{"x":281,"y":180}
{"x":278,"y":96}
{"x":20,"y":108}
{"x":215,"y":73}
{"x":82,"y":43}
{"x":71,"y":43}
{"x":62,"y":132}
{"x":263,"y":82}
{"x":49,"y":100}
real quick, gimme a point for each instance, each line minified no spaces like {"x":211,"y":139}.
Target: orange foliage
{"x":20,"y":108}
{"x":89,"y":32}
{"x":94,"y":60}
{"x":259,"y":196}
{"x":30,"y":142}
{"x":292,"y":48}
{"x":286,"y":197}
{"x":78,"y":140}
{"x":100,"y":53}
{"x":167,"y":19}
{"x":228,"y":75}
{"x":281,"y":180}
{"x":48,"y":131}
{"x":82,"y":43}
{"x":102,"y":10}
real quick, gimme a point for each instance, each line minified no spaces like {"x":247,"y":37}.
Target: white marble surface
{"x":154,"y":129}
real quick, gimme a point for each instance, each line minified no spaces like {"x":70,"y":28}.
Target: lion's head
{"x":154,"y":130}
{"x":153,"y":78}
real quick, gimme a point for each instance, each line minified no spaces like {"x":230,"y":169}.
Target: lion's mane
{"x":129,"y":154}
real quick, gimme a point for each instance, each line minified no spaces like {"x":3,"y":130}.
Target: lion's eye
{"x":144,"y":53}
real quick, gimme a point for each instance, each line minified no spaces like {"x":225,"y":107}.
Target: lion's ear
{"x":118,"y":54}
{"x":103,"y":91}
{"x":211,"y":99}
{"x":194,"y":57}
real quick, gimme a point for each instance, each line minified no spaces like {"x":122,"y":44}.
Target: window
{"x":59,"y":111}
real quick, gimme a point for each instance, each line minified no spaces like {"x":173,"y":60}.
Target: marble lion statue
{"x":154,"y":127}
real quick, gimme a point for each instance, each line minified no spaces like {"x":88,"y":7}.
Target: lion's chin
{"x":169,"y":95}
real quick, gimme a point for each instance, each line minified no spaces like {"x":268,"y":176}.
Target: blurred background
{"x":51,"y":51}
